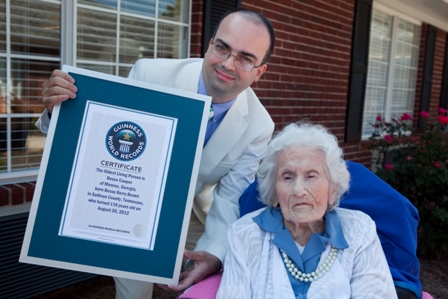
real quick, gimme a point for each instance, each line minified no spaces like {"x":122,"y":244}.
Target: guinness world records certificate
{"x":117,"y":179}
{"x":105,"y":201}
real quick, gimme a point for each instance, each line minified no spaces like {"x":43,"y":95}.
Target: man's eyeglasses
{"x":241,"y":62}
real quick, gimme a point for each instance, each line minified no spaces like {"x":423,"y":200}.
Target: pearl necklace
{"x":315,"y":275}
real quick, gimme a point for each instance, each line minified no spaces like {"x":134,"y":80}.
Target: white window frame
{"x":17,"y":176}
{"x":69,"y":12}
{"x":396,"y":16}
{"x":68,"y":54}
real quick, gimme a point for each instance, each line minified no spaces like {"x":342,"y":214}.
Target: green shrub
{"x":416,"y":165}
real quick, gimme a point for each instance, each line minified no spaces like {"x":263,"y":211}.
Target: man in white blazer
{"x":236,"y":137}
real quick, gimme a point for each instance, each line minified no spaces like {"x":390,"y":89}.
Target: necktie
{"x":211,"y":113}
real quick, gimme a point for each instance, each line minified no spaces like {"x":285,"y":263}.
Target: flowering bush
{"x":416,"y":164}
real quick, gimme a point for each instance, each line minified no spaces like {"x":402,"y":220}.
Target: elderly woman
{"x":302,"y":245}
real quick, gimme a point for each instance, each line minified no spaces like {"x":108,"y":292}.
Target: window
{"x":112,"y":35}
{"x":392,"y":70}
{"x":109,"y":36}
{"x":29,"y":50}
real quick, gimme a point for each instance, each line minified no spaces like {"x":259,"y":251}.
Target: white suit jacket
{"x":229,"y":160}
{"x":230,"y":157}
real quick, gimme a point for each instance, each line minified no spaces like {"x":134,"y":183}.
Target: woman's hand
{"x":205,"y":264}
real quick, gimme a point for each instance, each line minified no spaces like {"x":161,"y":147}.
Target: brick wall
{"x":16,"y":194}
{"x":437,"y":75}
{"x":421,"y":60}
{"x":308,"y":75}
{"x":197,"y":8}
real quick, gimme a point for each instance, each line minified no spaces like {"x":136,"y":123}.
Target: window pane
{"x":2,"y":26}
{"x":171,"y":41}
{"x":3,"y":145}
{"x":35,"y":28}
{"x":27,"y":77}
{"x":111,"y":4}
{"x":34,"y":32}
{"x":3,"y":109}
{"x":406,"y":59}
{"x":34,"y":141}
{"x":379,"y":49}
{"x":136,"y":39}
{"x":141,"y":7}
{"x":174,"y":10}
{"x":107,"y":69}
{"x":25,"y":141}
{"x":404,"y":63}
{"x":96,"y":35}
{"x":124,"y":71}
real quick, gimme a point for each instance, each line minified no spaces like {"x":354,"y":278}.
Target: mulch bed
{"x":434,"y":277}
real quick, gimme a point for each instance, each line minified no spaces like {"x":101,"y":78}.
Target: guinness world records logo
{"x":125,"y":141}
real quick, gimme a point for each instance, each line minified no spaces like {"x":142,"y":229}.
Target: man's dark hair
{"x":258,"y":19}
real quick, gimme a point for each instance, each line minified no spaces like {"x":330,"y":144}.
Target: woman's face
{"x":302,"y":185}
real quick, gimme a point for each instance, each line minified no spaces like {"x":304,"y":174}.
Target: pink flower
{"x":424,"y":114}
{"x":441,"y":110}
{"x":389,"y":166}
{"x":438,"y":164}
{"x":410,"y":158}
{"x":442,"y":119}
{"x":379,"y":118}
{"x":406,"y":116}
{"x":387,"y":137}
{"x":394,"y":120}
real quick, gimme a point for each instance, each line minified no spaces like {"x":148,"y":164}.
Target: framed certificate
{"x":117,"y":179}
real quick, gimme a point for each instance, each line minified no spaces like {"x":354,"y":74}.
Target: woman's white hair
{"x":303,"y":134}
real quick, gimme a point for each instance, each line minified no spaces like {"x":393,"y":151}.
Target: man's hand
{"x":58,"y":88}
{"x":205,"y":264}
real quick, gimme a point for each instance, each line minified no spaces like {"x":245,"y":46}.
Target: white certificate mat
{"x":116,"y":184}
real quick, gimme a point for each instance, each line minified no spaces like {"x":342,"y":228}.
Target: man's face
{"x":223,"y":80}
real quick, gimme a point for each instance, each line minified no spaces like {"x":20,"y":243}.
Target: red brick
{"x":17,"y":194}
{"x":5,"y":196}
{"x":29,"y":193}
